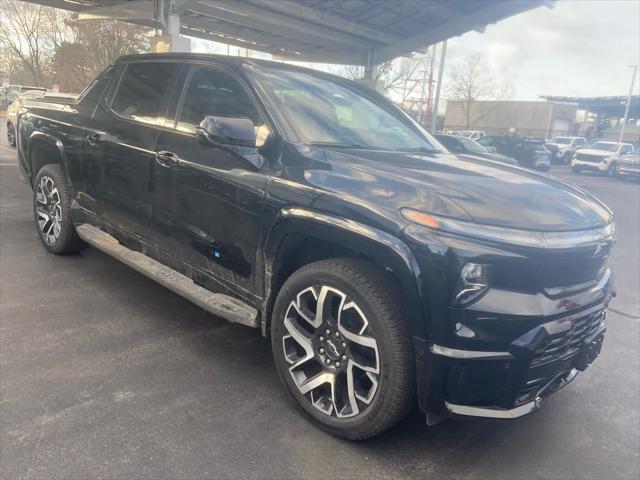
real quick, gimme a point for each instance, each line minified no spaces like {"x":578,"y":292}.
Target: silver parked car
{"x":21,"y":99}
{"x":629,"y":166}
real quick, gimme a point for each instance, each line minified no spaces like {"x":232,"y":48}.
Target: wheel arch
{"x":42,"y":149}
{"x":299,"y":237}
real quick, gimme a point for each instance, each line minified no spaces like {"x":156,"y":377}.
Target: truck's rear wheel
{"x":52,"y":211}
{"x":341,"y":347}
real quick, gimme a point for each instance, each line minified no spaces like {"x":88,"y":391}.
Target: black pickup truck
{"x":386,"y":272}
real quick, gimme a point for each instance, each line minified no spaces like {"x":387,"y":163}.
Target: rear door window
{"x":144,"y":91}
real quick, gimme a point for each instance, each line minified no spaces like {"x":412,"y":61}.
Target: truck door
{"x":207,"y":198}
{"x":122,"y":136}
{"x":81,"y":165}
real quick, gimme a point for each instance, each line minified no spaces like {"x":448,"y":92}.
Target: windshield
{"x":471,"y":145}
{"x":330,"y":113}
{"x":562,"y":140}
{"x":31,"y":94}
{"x":609,"y":147}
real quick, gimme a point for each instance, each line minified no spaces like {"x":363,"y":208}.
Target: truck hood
{"x":594,"y":151}
{"x":463,"y":188}
{"x":496,"y":157}
{"x":559,"y":146}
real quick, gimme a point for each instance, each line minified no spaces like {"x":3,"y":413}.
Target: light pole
{"x":436,"y":104}
{"x":626,"y":109}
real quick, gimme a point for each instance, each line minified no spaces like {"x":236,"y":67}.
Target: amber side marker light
{"x":420,"y":218}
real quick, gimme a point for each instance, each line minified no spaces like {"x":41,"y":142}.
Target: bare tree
{"x":112,"y":38}
{"x":23,"y":35}
{"x":76,"y":61}
{"x":41,"y":45}
{"x":472,"y":82}
{"x":397,"y":78}
{"x":393,"y":73}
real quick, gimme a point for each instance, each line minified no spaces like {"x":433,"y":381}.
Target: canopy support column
{"x":370,"y":72}
{"x":171,"y":40}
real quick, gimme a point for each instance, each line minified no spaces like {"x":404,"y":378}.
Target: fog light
{"x":474,"y":281}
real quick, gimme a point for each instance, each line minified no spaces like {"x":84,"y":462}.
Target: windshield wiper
{"x":420,"y":150}
{"x":350,"y":145}
{"x":338,"y":145}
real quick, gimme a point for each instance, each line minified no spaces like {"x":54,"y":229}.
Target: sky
{"x":576,"y":48}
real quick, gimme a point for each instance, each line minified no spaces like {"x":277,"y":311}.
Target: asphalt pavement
{"x":105,"y":374}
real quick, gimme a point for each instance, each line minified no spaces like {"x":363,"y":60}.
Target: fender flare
{"x":386,"y":250}
{"x":42,"y":137}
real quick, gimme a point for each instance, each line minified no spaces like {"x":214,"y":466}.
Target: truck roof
{"x":223,"y":59}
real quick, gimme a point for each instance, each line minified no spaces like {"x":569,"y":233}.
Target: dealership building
{"x":543,"y":119}
{"x":596,"y":117}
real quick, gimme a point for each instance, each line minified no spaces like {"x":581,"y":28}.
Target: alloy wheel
{"x":332,"y":354}
{"x":11,"y":135}
{"x":48,"y":209}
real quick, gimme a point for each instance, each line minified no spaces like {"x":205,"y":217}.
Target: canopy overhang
{"x":613,"y":106}
{"x":356,"y":32}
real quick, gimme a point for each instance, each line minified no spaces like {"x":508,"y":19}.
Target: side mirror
{"x":232,"y":131}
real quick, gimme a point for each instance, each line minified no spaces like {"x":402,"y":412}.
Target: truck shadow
{"x":240,"y":358}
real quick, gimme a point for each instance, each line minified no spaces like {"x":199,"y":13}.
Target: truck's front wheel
{"x":52,"y":211}
{"x":342,"y":349}
{"x":11,"y":134}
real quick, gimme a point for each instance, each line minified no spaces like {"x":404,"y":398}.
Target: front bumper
{"x":555,"y":384}
{"x":520,"y":341}
{"x":543,"y":164}
{"x":512,"y":382}
{"x":595,"y":166}
{"x":631,"y":171}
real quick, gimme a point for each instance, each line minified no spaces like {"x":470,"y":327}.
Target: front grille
{"x":569,"y":267}
{"x":585,"y":157}
{"x":566,"y":345}
{"x":630,"y":165}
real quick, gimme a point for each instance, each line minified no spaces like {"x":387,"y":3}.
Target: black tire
{"x":379,"y":300}
{"x":576,"y":169}
{"x":67,"y":241}
{"x":612,"y":171}
{"x":566,"y":158}
{"x":11,"y":134}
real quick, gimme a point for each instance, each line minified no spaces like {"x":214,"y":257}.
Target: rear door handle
{"x":94,"y":139}
{"x":167,"y":158}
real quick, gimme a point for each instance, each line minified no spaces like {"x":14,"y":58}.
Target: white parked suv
{"x":472,"y":134}
{"x":601,"y":156}
{"x":565,"y":147}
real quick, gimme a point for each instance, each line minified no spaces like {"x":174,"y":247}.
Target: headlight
{"x":474,"y":281}
{"x":527,"y":238}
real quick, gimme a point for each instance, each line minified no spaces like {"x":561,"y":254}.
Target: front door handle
{"x":167,"y":158}
{"x":94,"y":139}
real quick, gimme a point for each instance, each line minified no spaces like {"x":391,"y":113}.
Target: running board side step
{"x":218,"y":304}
